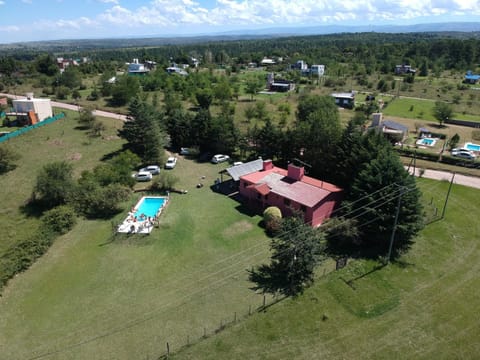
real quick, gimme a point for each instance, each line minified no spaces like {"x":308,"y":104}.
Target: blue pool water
{"x":472,"y":147}
{"x":149,"y":206}
{"x":427,"y":141}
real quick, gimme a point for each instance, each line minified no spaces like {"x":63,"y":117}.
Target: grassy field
{"x":422,"y":307}
{"x":58,"y":141}
{"x":95,"y":296}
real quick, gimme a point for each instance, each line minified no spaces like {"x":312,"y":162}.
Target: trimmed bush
{"x":272,"y":218}
{"x":60,"y":219}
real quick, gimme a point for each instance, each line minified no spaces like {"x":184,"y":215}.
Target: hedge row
{"x":444,"y":158}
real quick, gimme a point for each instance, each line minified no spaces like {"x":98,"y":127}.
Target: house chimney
{"x":29,"y":95}
{"x":295,"y":172}
{"x":376,"y":119}
{"x":267,"y":165}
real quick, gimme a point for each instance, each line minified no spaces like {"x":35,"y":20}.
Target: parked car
{"x":152,"y":169}
{"x":464,"y":154}
{"x":216,"y":159}
{"x":236,"y":163}
{"x":143,"y":176}
{"x":171,"y":162}
{"x":184,"y":151}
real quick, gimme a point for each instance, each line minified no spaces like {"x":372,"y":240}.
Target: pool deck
{"x":134,"y":226}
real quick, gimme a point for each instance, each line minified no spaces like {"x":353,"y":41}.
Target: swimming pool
{"x":472,"y":147}
{"x":149,"y":206}
{"x":427,"y":141}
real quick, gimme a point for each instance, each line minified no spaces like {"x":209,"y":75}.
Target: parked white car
{"x":184,"y":151}
{"x":171,"y":162}
{"x":216,"y":159}
{"x":143,"y":176}
{"x":466,"y":154}
{"x":152,"y":169}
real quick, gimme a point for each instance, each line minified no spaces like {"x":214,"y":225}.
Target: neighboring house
{"x":266,"y":61}
{"x":317,"y":70}
{"x":279,"y":85}
{"x":404,"y":69}
{"x":394,"y":130}
{"x":30,"y":110}
{"x":290,"y":190}
{"x":471,"y":78}
{"x":135,"y":68}
{"x":176,"y":70}
{"x":345,"y":100}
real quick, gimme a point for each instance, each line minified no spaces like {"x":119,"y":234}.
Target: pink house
{"x":290,"y":189}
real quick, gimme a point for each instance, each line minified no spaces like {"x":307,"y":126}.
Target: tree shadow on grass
{"x":34,"y":208}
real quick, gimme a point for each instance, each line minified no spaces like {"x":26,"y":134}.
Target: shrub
{"x":165,"y":181}
{"x":60,"y":219}
{"x":272,"y":218}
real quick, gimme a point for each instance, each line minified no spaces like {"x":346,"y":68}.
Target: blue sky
{"x":31,"y":20}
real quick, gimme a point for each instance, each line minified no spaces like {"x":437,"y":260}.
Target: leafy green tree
{"x":179,"y":125}
{"x":95,"y":201}
{"x":71,"y":77}
{"x":250,"y":113}
{"x":45,"y":64}
{"x":295,"y":254}
{"x":204,"y":98}
{"x":317,"y":134}
{"x":125,"y":89}
{"x":442,"y":112}
{"x":86,"y":117}
{"x":54,"y":183}
{"x":7,"y":159}
{"x":165,"y":181}
{"x":252,"y":87}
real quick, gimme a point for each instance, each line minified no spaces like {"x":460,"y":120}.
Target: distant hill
{"x":452,"y":29}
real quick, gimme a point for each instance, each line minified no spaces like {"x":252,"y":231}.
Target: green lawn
{"x":94,"y":296}
{"x":57,"y":141}
{"x":423,"y":307}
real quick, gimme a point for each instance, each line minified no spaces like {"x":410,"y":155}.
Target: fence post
{"x":235,"y":317}
{"x":264,"y":298}
{"x":204,"y":331}
{"x":249,"y":309}
{"x":168,"y":350}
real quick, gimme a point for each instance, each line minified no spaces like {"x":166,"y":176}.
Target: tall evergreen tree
{"x":374,"y":199}
{"x":295,"y":254}
{"x":144,"y":132}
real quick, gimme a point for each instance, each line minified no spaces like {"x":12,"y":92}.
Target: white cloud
{"x":190,"y":16}
{"x":9,"y":29}
{"x":27,"y":1}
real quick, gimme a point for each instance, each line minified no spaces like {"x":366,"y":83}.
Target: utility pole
{"x":392,"y":237}
{"x":448,"y":195}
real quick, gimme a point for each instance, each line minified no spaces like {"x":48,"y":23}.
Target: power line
{"x":150,"y":315}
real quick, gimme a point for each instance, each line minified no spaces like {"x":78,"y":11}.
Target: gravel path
{"x":74,"y":108}
{"x":470,"y":181}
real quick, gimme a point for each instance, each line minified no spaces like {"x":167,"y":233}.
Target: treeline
{"x":374,"y":51}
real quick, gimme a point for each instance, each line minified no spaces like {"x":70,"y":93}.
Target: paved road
{"x":74,"y":108}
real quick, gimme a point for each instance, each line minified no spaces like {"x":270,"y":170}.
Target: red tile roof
{"x":308,"y":191}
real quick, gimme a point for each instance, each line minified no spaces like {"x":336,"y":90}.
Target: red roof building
{"x":290,"y":190}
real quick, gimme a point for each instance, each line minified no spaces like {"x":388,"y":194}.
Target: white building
{"x":42,"y":108}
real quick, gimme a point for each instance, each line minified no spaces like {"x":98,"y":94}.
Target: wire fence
{"x":25,"y":129}
{"x":197,"y":335}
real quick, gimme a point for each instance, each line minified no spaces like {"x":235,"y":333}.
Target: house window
{"x":303,"y":208}
{"x":286,"y":202}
